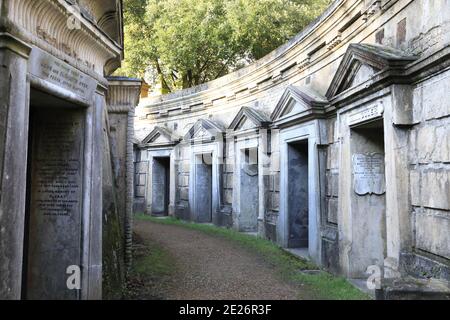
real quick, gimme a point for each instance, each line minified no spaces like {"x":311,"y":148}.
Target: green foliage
{"x":182,"y":43}
{"x":321,"y":284}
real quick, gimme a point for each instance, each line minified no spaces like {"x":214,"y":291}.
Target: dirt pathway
{"x":208,"y":267}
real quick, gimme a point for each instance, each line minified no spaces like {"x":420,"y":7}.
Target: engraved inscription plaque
{"x":55,"y":222}
{"x":51,"y":69}
{"x":366,"y":114}
{"x":368,"y":174}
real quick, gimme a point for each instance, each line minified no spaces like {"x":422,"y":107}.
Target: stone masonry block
{"x":436,"y":189}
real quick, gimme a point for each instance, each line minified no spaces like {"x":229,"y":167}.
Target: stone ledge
{"x":413,"y":289}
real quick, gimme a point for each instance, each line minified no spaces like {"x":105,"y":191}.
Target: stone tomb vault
{"x":158,"y":165}
{"x":249,"y":191}
{"x":297,"y":194}
{"x":206,"y":143}
{"x":54,"y":221}
{"x":160,"y":185}
{"x":368,"y":196}
{"x":301,"y":131}
{"x":248,"y":132}
{"x":203,"y":187}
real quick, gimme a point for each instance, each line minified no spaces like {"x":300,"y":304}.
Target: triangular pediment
{"x":204,"y":129}
{"x":362,"y":74}
{"x":297,"y":101}
{"x":362,"y":62}
{"x":249,"y":118}
{"x":161,"y":136}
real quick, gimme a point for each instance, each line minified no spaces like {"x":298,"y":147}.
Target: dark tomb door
{"x":298,"y":195}
{"x":203,"y":188}
{"x":160,"y":186}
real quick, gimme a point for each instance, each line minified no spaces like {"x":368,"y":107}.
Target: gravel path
{"x":209,"y":267}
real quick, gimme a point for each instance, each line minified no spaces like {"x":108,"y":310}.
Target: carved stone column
{"x":123,"y":97}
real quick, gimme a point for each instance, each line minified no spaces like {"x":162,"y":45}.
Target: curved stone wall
{"x":310,"y":59}
{"x":355,"y":108}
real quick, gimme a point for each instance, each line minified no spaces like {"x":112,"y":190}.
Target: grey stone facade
{"x":336,"y":143}
{"x":65,"y":148}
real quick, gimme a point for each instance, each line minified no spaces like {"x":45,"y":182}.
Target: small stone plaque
{"x":51,"y":69}
{"x":366,"y":114}
{"x":368,"y":174}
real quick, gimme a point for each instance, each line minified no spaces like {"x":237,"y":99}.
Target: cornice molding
{"x":8,"y":41}
{"x":48,"y":21}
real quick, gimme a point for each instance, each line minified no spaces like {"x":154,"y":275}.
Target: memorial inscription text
{"x":368,"y":174}
{"x":58,"y":170}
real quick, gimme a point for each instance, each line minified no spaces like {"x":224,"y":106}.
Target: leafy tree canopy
{"x":182,"y":43}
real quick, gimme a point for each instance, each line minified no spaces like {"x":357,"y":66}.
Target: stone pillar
{"x":397,"y":121}
{"x":123,"y":97}
{"x":93,"y":291}
{"x":14,"y":118}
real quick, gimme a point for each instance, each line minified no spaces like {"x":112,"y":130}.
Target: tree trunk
{"x":164,"y":86}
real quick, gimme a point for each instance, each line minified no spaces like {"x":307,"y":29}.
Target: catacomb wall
{"x":364,"y":85}
{"x":66,"y":175}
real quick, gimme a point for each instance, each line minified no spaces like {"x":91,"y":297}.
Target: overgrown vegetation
{"x":183,"y":43}
{"x":322,"y":284}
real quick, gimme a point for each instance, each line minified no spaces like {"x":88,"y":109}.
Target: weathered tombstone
{"x":55,"y":204}
{"x":368,"y":174}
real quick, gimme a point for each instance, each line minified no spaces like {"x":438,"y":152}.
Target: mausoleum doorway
{"x":249,"y":133}
{"x":301,"y":135}
{"x":55,"y":186}
{"x":157,"y":165}
{"x":205,"y":171}
{"x":249,"y":190}
{"x":203,"y":188}
{"x":160,"y":186}
{"x":368,"y":196}
{"x":298,"y":208}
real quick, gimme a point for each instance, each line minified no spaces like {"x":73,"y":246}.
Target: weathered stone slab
{"x":332,"y":184}
{"x":56,"y":202}
{"x":140,"y":191}
{"x":414,"y":178}
{"x":366,"y":114}
{"x":332,"y":210}
{"x":435,"y":191}
{"x":368,"y":174}
{"x":51,"y":69}
{"x":432,"y":232}
{"x":435,"y":98}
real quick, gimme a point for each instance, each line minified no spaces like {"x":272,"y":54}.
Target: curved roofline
{"x":272,"y":56}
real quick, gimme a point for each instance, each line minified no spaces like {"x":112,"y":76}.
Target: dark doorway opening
{"x":203,"y":188}
{"x":298,"y":220}
{"x":249,"y":191}
{"x":161,"y":186}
